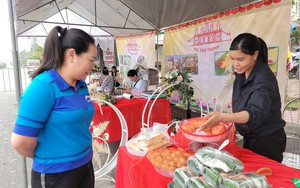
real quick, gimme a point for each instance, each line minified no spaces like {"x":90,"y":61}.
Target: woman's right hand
{"x":213,"y":119}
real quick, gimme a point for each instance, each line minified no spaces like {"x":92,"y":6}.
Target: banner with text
{"x":201,"y":47}
{"x":135,"y":51}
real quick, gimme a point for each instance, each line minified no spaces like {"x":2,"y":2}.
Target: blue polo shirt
{"x":59,"y":116}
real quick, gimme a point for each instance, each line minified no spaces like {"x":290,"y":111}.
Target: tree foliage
{"x":295,"y":37}
{"x":35,"y":53}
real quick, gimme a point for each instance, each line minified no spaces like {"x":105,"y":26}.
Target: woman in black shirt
{"x":256,"y":101}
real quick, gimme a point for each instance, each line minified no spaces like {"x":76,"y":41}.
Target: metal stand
{"x":109,"y":165}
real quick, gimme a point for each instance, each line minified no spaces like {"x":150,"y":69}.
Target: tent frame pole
{"x":18,"y":83}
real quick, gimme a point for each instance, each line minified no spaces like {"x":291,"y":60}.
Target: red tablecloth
{"x":132,"y":111}
{"x":136,"y":172}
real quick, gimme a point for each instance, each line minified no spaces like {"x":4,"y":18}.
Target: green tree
{"x":35,"y":53}
{"x":295,"y":37}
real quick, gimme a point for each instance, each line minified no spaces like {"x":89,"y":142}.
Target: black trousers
{"x":81,"y":177}
{"x":271,"y":146}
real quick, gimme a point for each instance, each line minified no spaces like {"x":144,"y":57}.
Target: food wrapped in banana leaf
{"x":195,"y":166}
{"x":244,"y":180}
{"x":219,"y":160}
{"x":181,"y":176}
{"x":212,"y":177}
{"x":197,"y":182}
{"x":174,"y":184}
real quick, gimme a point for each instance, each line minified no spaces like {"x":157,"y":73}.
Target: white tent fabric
{"x":105,"y":43}
{"x":114,"y":17}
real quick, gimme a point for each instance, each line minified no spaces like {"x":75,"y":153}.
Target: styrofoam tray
{"x":132,"y":151}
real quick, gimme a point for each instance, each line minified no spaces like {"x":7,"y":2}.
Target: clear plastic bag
{"x":219,"y":160}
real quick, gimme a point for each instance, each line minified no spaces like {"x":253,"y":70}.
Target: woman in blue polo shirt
{"x":55,"y":113}
{"x":256,"y":101}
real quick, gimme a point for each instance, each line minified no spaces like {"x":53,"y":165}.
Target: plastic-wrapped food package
{"x":181,"y":176}
{"x":212,"y":177}
{"x":221,"y":161}
{"x":174,"y":184}
{"x":245,"y":180}
{"x":195,"y":166}
{"x":197,"y":182}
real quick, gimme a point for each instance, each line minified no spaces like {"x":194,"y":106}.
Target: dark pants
{"x":81,"y":177}
{"x":271,"y":146}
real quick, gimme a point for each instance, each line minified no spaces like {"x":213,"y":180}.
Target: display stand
{"x":165,"y":87}
{"x":110,"y":164}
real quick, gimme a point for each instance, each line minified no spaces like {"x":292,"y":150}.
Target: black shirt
{"x":259,"y":95}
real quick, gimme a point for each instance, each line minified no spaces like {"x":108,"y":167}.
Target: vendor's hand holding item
{"x":191,"y":130}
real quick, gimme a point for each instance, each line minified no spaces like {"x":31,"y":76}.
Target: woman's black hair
{"x":57,"y":42}
{"x":132,"y":73}
{"x":114,"y":67}
{"x":248,"y":44}
{"x":105,"y":71}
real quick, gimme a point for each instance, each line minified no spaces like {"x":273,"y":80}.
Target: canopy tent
{"x":106,"y":17}
{"x":114,"y":17}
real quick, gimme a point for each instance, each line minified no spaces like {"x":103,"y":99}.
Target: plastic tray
{"x":133,"y":151}
{"x":166,"y":173}
{"x":206,"y":138}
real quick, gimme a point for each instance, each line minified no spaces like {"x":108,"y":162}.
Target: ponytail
{"x":263,"y":51}
{"x":57,"y":42}
{"x":52,"y":57}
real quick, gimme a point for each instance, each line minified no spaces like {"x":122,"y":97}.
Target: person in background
{"x":55,"y":113}
{"x":115,"y":75}
{"x":256,"y":102}
{"x":108,"y":82}
{"x":101,"y":77}
{"x":139,"y":85}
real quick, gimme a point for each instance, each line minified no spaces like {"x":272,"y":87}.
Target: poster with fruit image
{"x":173,"y":63}
{"x":222,"y":63}
{"x":224,"y":67}
{"x":189,"y":63}
{"x":210,"y":38}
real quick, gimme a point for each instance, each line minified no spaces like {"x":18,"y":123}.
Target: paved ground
{"x":10,"y":164}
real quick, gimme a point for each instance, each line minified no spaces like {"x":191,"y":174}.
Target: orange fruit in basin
{"x":218,"y":129}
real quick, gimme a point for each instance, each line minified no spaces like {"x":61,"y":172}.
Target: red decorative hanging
{"x":221,"y":14}
{"x":242,"y":9}
{"x":250,"y":7}
{"x":267,"y":2}
{"x":258,"y":4}
{"x":234,"y":11}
